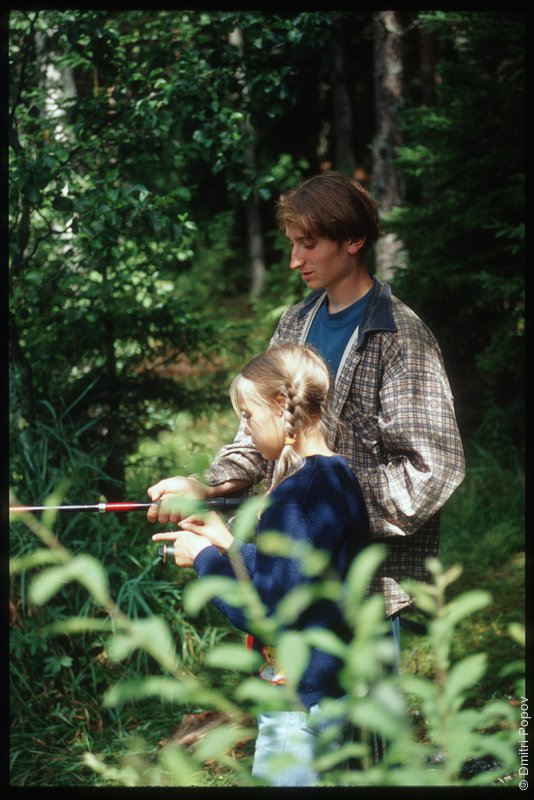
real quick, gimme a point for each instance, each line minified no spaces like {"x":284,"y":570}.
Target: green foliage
{"x":130,"y":168}
{"x":496,"y":526}
{"x":375,"y":701}
{"x":126,"y":194}
{"x":136,"y":140}
{"x":71,"y":644}
{"x":59,"y":667}
{"x":59,"y":652}
{"x":463,"y":163}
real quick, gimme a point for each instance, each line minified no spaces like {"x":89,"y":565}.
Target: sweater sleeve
{"x":272,"y":576}
{"x":211,"y":562}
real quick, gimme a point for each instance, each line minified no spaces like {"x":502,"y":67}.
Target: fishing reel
{"x":223,"y":504}
{"x":166,"y":553}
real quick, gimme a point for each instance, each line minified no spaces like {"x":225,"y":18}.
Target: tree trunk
{"x":386,"y":186}
{"x":21,"y":388}
{"x":256,"y":248}
{"x":427,"y":57}
{"x":21,"y":395}
{"x":343,"y":150}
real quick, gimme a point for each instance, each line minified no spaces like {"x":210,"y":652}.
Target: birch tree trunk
{"x":386,"y":186}
{"x":21,"y":382}
{"x":255,"y":246}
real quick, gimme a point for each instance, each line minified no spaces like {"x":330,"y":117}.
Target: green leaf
{"x":120,"y":646}
{"x":360,"y":574}
{"x":219,"y":741}
{"x":292,"y":655}
{"x":462,"y":676}
{"x":36,"y":559}
{"x":90,"y":572}
{"x":47,"y":583}
{"x":296,"y":601}
{"x":185,"y":506}
{"x":425,"y":595}
{"x":466,"y":604}
{"x":199,"y":593}
{"x":78,"y":625}
{"x":517,"y":632}
{"x":179,"y":766}
{"x":382,"y":710}
{"x":325,"y":640}
{"x":369,"y":619}
{"x":262,"y":693}
{"x":169,"y":689}
{"x":421,"y":687}
{"x":313,"y":561}
{"x":247,"y":518}
{"x":153,"y":635}
{"x":233,"y":656}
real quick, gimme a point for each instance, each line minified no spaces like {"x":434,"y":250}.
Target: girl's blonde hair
{"x":300,"y":374}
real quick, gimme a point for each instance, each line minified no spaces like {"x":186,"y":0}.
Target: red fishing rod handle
{"x":103,"y":507}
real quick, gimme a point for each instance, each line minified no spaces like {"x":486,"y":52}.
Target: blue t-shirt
{"x":330,"y":333}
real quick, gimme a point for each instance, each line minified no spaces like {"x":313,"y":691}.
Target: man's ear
{"x":355,"y":244}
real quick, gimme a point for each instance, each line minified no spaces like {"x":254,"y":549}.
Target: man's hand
{"x":167,"y":493}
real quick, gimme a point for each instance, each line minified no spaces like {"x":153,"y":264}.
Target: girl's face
{"x":264,"y":424}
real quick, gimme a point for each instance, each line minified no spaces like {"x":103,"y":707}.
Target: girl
{"x":315,"y":499}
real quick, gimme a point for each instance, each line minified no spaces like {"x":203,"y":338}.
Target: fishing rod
{"x":104,"y":508}
{"x":219,"y":503}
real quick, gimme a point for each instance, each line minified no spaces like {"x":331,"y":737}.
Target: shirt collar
{"x":378,"y":315}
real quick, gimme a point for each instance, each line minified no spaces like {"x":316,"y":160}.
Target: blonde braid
{"x":291,"y":414}
{"x":289,"y":460}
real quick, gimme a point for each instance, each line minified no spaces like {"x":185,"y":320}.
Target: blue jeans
{"x":293,"y":734}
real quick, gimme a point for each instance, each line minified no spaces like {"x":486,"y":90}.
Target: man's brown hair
{"x":333,"y":205}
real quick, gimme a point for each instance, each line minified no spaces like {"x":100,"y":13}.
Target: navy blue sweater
{"x":321,"y":504}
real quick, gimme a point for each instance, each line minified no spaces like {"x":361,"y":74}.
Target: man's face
{"x":322,"y":263}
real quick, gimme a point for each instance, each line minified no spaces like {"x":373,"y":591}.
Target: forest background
{"x":146,"y":152}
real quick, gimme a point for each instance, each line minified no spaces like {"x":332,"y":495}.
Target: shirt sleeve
{"x":423,"y":454}
{"x":237,"y":461}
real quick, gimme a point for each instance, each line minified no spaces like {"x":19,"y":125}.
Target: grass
{"x":483,"y":530}
{"x":58,"y":682}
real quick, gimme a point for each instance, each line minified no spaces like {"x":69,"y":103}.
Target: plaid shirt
{"x":399,"y":432}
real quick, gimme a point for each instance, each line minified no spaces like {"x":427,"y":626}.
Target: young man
{"x":391,"y":391}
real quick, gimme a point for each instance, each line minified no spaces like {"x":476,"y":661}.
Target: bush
{"x":376,"y":701}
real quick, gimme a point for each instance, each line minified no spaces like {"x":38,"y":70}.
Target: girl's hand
{"x":186,"y":546}
{"x":211,"y":527}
